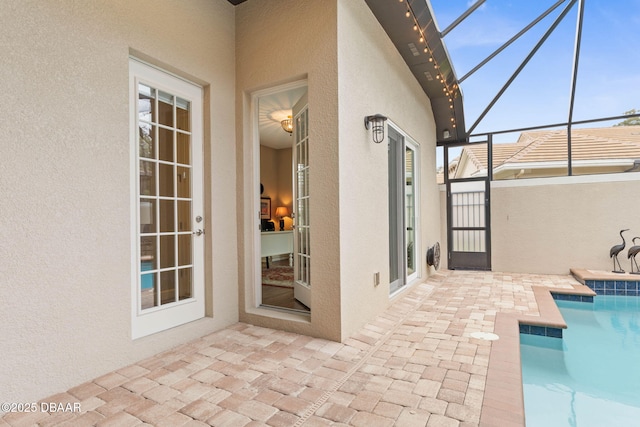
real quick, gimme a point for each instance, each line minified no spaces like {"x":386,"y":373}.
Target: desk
{"x":276,"y":243}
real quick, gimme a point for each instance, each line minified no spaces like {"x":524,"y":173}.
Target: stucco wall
{"x":373,"y":78}
{"x":282,"y":41}
{"x":552,"y":225}
{"x":65,"y":243}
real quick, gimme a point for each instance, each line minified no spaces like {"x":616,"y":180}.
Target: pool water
{"x":590,"y":377}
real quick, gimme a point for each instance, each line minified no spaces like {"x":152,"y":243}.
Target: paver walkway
{"x":414,"y":365}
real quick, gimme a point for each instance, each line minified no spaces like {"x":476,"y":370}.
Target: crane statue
{"x":613,"y":253}
{"x":631,"y":254}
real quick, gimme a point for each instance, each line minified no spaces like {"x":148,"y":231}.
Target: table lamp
{"x":281,"y":212}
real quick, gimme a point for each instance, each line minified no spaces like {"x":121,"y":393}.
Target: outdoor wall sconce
{"x":377,"y":126}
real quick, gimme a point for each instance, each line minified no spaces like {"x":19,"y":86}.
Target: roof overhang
{"x":444,"y":93}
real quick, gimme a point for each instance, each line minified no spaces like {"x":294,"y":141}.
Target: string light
{"x":427,"y":50}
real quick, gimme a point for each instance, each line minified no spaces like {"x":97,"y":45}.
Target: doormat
{"x":278,"y":276}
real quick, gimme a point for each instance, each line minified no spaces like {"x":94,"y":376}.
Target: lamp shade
{"x":282,"y":211}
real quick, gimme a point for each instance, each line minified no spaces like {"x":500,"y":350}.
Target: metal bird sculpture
{"x":613,"y":253}
{"x":631,"y":254}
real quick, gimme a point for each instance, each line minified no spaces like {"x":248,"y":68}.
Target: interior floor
{"x":277,"y":295}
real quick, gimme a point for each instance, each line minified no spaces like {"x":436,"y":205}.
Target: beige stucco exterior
{"x":279,"y":42}
{"x":65,"y":180}
{"x":550,"y":225}
{"x":367,"y":63}
{"x":349,"y":217}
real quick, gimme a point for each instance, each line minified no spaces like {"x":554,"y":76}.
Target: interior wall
{"x":269,"y":175}
{"x":373,"y":78}
{"x":275,"y":176}
{"x":66,"y":182}
{"x":285,"y":184}
{"x":308,"y":31}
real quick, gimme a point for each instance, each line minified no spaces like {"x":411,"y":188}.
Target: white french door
{"x":168,"y":240}
{"x":302,"y":230}
{"x":403,"y":209}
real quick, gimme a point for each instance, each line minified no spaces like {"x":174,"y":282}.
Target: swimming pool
{"x":590,"y":377}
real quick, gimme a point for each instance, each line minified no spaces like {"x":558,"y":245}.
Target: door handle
{"x":199,"y":232}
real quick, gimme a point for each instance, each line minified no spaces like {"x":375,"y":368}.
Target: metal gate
{"x":468,"y":224}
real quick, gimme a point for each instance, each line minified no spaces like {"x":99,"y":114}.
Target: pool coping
{"x":503,"y":403}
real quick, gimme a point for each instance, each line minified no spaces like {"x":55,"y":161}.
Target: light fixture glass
{"x":287,"y":124}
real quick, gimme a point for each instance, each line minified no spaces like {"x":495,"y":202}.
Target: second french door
{"x":403,"y":181}
{"x":302,"y":231}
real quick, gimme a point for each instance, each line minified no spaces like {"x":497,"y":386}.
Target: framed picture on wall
{"x":265,"y":207}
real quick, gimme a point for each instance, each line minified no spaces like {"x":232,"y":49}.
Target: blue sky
{"x":608,"y":78}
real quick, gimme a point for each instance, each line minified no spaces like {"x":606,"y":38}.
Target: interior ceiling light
{"x":287,"y":124}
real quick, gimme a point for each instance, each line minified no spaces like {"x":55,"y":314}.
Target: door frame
{"x":157,"y":319}
{"x":469,"y":260}
{"x":254,"y":294}
{"x":407,"y":141}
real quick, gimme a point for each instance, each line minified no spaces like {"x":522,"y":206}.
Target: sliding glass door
{"x":402,"y":210}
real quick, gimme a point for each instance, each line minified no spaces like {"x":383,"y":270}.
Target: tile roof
{"x":621,"y":142}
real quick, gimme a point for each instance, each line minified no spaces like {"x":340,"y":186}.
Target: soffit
{"x":392,"y":15}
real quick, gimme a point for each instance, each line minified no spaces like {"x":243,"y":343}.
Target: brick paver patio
{"x":414,"y":365}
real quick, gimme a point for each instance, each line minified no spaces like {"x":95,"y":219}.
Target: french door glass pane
{"x":185,"y":283}
{"x":410,"y":209}
{"x":146,"y":103}
{"x":183,"y":120}
{"x":165,"y":109}
{"x":184,"y":249}
{"x":149,"y":289}
{"x":148,"y":253}
{"x":184,"y":182}
{"x":147,"y":216}
{"x":184,"y":148}
{"x":166,"y":180}
{"x":165,"y":203}
{"x":147,"y":140}
{"x":167,"y":221}
{"x":147,"y":178}
{"x":165,"y":144}
{"x":184,"y":215}
{"x":167,"y":251}
{"x":168,"y":285}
